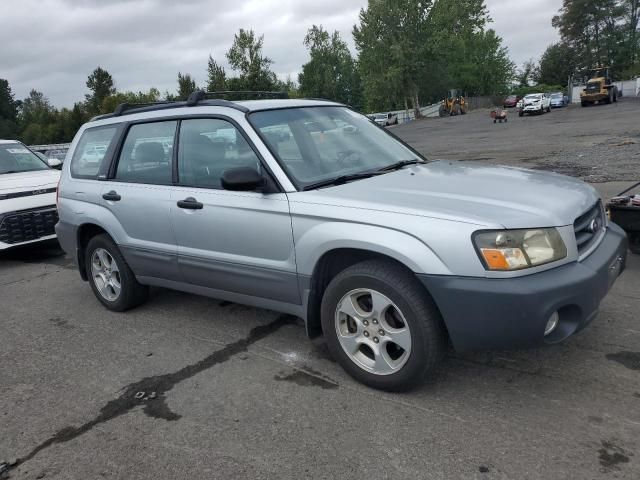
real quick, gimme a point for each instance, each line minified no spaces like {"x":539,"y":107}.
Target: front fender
{"x":316,"y":240}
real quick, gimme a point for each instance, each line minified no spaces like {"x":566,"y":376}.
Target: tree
{"x":592,"y":29}
{"x":101,"y":85}
{"x":412,"y":49}
{"x":217,"y":77}
{"x":631,"y":9}
{"x":331,"y":72}
{"x":35,"y":118}
{"x":111,"y":102}
{"x":527,"y":73}
{"x":392,"y":40}
{"x":556,"y":65}
{"x":186,"y":86}
{"x":254,"y":69}
{"x":8,"y":111}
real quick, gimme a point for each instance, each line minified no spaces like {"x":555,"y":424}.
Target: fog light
{"x":552,"y":323}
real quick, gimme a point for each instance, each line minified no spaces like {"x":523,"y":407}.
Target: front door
{"x":238,"y":242}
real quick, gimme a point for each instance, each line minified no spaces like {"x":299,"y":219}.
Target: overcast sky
{"x":52,"y":45}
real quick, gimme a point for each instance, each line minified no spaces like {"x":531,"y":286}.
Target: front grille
{"x":588,"y":227}
{"x":27,"y":225}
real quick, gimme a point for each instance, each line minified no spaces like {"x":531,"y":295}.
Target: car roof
{"x":162,"y":109}
{"x":259,"y":105}
{"x":10,"y":141}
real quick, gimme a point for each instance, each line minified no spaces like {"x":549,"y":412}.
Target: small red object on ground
{"x":499,"y":115}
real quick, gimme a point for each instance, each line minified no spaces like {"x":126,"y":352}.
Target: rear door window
{"x":146,"y":154}
{"x":91,"y":151}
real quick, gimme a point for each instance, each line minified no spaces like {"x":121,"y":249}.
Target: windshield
{"x":556,"y":95}
{"x":533,"y":97}
{"x":320,"y":143}
{"x":15,"y":158}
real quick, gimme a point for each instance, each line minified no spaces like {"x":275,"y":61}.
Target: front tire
{"x":382,"y":326}
{"x":111,"y":279}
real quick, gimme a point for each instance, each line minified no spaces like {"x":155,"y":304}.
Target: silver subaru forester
{"x":307,"y":207}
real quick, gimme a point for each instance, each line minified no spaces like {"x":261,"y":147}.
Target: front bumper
{"x":27,"y":226}
{"x":488,"y":313}
{"x":532,"y":108}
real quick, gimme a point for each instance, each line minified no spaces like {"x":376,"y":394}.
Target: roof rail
{"x":196,"y":98}
{"x":241,"y":94}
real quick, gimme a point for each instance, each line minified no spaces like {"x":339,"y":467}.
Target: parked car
{"x":392,"y":119}
{"x":534,"y":103}
{"x":354,"y":232}
{"x":58,"y":154}
{"x":27,"y":196}
{"x":558,"y":100}
{"x":385,"y":119}
{"x":52,"y":162}
{"x":511,"y":101}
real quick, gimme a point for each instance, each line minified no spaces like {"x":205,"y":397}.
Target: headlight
{"x":518,"y":249}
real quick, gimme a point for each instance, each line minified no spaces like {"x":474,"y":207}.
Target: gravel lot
{"x":241,"y":392}
{"x":598,"y":144}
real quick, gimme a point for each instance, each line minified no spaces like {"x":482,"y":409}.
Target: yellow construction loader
{"x":600,"y":88}
{"x":453,"y":104}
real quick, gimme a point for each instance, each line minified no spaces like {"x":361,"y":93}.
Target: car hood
{"x":19,"y":182}
{"x":489,"y":196}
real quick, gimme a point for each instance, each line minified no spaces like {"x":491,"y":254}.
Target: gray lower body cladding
{"x":482,"y":313}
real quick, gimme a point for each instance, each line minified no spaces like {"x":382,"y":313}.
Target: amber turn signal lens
{"x":495,"y":259}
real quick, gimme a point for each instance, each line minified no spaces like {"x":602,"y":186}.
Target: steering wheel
{"x":349,"y":159}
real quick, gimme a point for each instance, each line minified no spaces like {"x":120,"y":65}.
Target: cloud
{"x":53,"y":45}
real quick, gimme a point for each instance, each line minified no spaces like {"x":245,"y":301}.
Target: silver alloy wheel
{"x":106,"y":274}
{"x":373,"y":331}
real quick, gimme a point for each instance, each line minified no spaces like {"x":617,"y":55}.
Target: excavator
{"x":600,"y":88}
{"x":453,"y":104}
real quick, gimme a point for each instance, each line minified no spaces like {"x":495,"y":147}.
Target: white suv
{"x":27,"y":196}
{"x":534,"y":103}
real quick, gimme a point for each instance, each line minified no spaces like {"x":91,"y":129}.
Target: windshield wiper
{"x":341,"y":180}
{"x":399,"y":165}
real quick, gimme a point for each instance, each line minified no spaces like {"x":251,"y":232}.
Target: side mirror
{"x":242,"y":179}
{"x":54,"y":163}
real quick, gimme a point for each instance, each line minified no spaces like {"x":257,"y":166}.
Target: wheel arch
{"x":84,"y":234}
{"x":330,"y":264}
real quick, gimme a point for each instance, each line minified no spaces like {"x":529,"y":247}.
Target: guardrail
{"x":53,"y":146}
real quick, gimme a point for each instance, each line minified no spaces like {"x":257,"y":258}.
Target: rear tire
{"x":382,"y":326}
{"x":112,"y":281}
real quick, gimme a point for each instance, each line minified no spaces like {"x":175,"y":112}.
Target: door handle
{"x":190,"y":203}
{"x":112,"y":196}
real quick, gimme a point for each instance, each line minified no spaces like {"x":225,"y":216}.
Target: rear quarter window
{"x":91,"y":151}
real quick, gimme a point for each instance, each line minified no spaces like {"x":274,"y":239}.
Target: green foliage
{"x":540,"y":88}
{"x":253,"y":68}
{"x":412,"y":49}
{"x":600,"y":33}
{"x":331,"y":72}
{"x":556,"y":65}
{"x":217,"y":77}
{"x":8,"y":111}
{"x":394,"y":48}
{"x":186,"y":86}
{"x":101,"y":85}
{"x":111,"y":102}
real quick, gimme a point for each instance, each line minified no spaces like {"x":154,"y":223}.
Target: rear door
{"x":139,"y":199}
{"x":238,"y":242}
